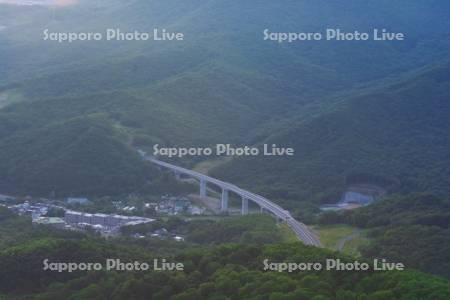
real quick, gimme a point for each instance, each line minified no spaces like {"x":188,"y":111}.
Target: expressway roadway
{"x":300,"y":229}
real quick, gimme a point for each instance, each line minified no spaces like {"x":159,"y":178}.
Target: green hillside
{"x":59,"y":158}
{"x":225,"y":84}
{"x":72,"y":116}
{"x":399,"y":224}
{"x":229,"y":271}
{"x":232,"y":31}
{"x":396,"y":136}
{"x":225,"y":271}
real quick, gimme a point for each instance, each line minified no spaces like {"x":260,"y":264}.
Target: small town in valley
{"x":62,"y":214}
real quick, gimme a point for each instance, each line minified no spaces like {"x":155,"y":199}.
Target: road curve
{"x":300,"y":229}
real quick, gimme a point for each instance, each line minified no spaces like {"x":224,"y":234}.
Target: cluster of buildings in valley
{"x":165,"y":206}
{"x":65,"y":214}
{"x":176,"y":206}
{"x":106,"y":224}
{"x":33,"y":210}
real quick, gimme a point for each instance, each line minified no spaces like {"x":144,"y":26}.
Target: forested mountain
{"x":396,"y":136}
{"x":234,"y":32}
{"x":58,"y":158}
{"x":227,"y":271}
{"x":412,"y":228}
{"x":224,"y":83}
{"x":356,"y":112}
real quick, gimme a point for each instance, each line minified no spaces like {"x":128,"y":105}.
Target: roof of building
{"x":48,"y":220}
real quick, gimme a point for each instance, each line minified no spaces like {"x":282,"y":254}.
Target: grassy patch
{"x":330,"y":235}
{"x":205,"y":166}
{"x":342,"y":237}
{"x":352,"y":246}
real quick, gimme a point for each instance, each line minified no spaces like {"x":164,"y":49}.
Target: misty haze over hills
{"x":225,"y":84}
{"x":366,"y":119}
{"x":39,"y":2}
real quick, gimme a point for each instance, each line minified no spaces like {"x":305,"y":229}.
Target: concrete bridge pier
{"x":224,"y":204}
{"x":202,"y":188}
{"x":266,"y":205}
{"x":177,"y":175}
{"x":244,"y":210}
{"x":280,"y":220}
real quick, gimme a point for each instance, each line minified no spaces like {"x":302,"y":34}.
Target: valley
{"x":294,"y":132}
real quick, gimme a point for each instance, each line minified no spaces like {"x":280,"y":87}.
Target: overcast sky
{"x":40,"y":2}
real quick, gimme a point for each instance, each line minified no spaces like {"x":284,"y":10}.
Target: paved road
{"x":300,"y":229}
